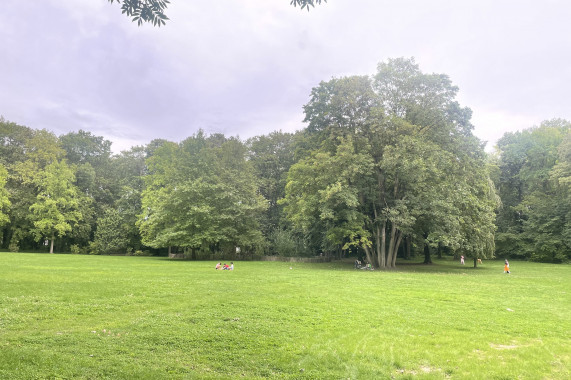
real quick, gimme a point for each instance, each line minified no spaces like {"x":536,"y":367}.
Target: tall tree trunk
{"x":52,"y":243}
{"x":378,"y":241}
{"x":391,"y":246}
{"x":381,"y":253}
{"x":427,"y":259}
{"x":384,"y":244}
{"x":390,"y":257}
{"x":368,"y":253}
{"x":475,"y":262}
{"x":399,"y":238}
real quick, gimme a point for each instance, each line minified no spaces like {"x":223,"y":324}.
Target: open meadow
{"x":106,"y":317}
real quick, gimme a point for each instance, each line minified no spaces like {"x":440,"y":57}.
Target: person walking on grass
{"x":462,"y":259}
{"x":506,"y":266}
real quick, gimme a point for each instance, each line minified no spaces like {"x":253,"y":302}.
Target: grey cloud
{"x":247,"y":68}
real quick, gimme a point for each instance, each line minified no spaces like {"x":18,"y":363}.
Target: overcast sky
{"x":246,"y":67}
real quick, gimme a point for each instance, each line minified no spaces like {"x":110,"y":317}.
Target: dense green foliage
{"x":534,"y":181}
{"x":111,"y":235}
{"x":57,"y":206}
{"x":4,"y":196}
{"x":201,"y":193}
{"x":86,"y":317}
{"x":387,"y":167}
{"x":151,"y":11}
{"x":394,"y":160}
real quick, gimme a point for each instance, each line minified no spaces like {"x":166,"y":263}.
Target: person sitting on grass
{"x":218,"y":266}
{"x":225,"y":267}
{"x":231,"y":267}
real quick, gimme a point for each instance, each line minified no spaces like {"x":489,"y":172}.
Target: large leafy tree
{"x":323,"y":196}
{"x":201,"y":194}
{"x":28,"y":152}
{"x":56,"y":208}
{"x":418,"y":142}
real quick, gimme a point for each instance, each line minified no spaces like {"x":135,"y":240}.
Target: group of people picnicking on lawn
{"x":225,"y":266}
{"x":361,"y":263}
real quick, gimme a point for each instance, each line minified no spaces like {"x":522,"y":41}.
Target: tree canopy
{"x":4,"y":197}
{"x":56,"y":206}
{"x":201,"y":193}
{"x":535,"y":219}
{"x":392,"y":154}
{"x":151,"y":11}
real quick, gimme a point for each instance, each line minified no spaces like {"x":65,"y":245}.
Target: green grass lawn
{"x":97,"y":317}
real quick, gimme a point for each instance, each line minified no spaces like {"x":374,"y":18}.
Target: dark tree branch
{"x":153,"y":11}
{"x":306,"y":3}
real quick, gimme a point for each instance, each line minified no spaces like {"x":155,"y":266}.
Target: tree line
{"x":386,"y":167}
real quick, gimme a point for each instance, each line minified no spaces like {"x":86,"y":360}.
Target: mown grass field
{"x":98,"y":317}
